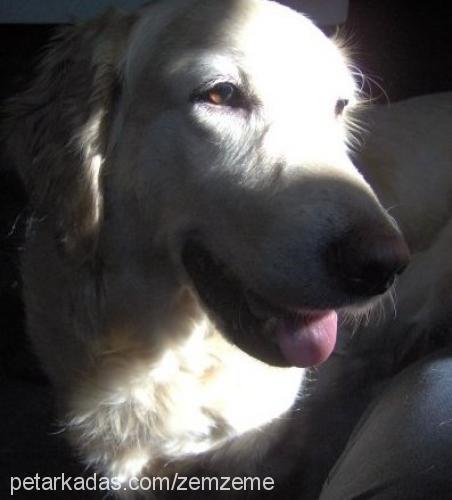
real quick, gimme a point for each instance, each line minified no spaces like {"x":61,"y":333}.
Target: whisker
{"x":392,"y":297}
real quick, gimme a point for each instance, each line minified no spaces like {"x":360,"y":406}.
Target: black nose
{"x":367,"y":260}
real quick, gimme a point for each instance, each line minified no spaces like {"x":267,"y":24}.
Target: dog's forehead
{"x":281,"y":49}
{"x":263,"y":37}
{"x":253,"y":28}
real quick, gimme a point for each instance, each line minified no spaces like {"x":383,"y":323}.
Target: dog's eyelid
{"x":208,"y":84}
{"x":222,"y":93}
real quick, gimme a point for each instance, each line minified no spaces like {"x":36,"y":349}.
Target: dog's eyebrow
{"x":196,"y":68}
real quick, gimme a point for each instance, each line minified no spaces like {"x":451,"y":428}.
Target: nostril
{"x":368,"y":261}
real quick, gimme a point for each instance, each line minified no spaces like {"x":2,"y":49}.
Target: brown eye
{"x":341,"y":104}
{"x":222,"y":94}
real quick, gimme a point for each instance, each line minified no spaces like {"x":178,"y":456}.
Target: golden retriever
{"x":197,"y":226}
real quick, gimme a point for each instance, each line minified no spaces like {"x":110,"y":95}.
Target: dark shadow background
{"x":404,"y":46}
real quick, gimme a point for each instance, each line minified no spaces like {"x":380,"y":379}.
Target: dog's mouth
{"x":275,"y":334}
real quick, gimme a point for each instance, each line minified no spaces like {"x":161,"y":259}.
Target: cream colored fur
{"x":142,"y":376}
{"x":406,"y":155}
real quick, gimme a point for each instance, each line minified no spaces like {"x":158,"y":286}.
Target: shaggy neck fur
{"x":137,"y":405}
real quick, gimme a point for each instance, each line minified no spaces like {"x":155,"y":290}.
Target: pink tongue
{"x":310,"y":340}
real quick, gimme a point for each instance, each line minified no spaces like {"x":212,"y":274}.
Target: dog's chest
{"x":216,"y":391}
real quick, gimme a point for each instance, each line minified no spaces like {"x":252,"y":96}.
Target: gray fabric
{"x":401,"y":448}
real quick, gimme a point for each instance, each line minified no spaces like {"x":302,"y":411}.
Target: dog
{"x":404,"y":153}
{"x":197,"y":224}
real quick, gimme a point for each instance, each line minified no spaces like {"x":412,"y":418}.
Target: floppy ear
{"x":57,"y":130}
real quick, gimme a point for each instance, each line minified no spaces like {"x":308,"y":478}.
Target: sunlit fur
{"x":120,"y":164}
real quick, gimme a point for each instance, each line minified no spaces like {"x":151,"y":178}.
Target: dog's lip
{"x":305,"y":336}
{"x":262,"y":308}
{"x":275,"y":333}
{"x":266,"y":309}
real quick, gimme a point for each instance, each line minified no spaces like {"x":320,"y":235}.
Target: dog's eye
{"x":222,"y":94}
{"x":341,"y":104}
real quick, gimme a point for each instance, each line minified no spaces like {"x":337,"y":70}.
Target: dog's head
{"x":215,"y":130}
